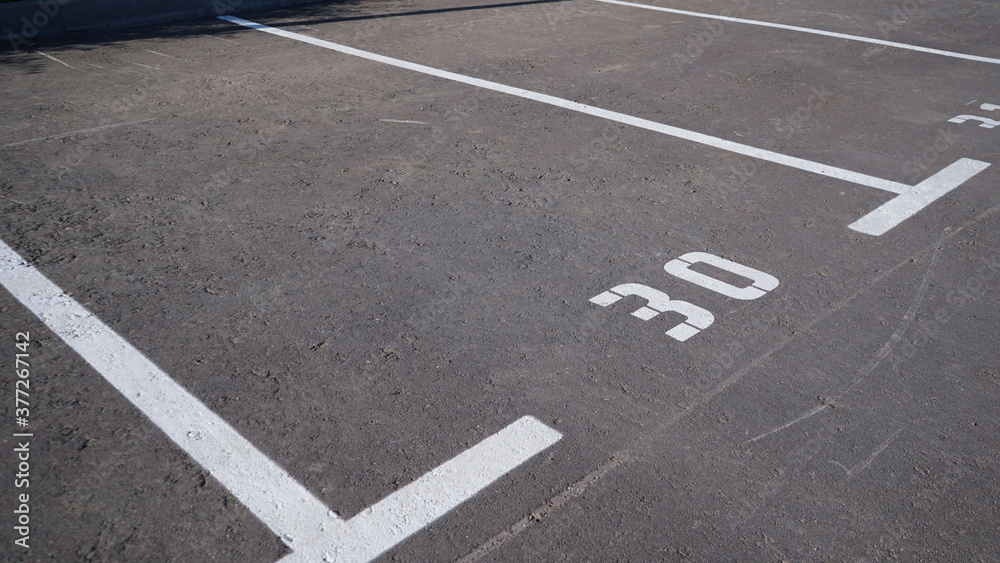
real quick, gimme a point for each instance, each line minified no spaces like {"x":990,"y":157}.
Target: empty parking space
{"x":508,"y":281}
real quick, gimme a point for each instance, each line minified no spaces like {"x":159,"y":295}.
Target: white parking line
{"x":810,"y":30}
{"x":287,"y":508}
{"x":405,"y":512}
{"x":302,"y":521}
{"x":60,"y":62}
{"x":906,"y":205}
{"x":161,"y":54}
{"x":914,"y":198}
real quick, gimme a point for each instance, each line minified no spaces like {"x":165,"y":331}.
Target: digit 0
{"x":762,"y":282}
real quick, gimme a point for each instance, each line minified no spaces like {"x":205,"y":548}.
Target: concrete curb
{"x":22,"y":22}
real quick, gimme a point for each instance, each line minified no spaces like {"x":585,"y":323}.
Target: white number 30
{"x":697,"y":319}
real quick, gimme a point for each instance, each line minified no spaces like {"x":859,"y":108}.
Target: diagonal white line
{"x":909,"y":199}
{"x":303,"y":522}
{"x":904,"y":206}
{"x":59,"y":61}
{"x":794,"y":162}
{"x":283,"y":505}
{"x":388,"y":522}
{"x":809,"y":30}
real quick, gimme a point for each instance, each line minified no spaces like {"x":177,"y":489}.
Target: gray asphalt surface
{"x":366,"y":271}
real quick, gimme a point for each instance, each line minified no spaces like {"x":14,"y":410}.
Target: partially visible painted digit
{"x":658,"y":302}
{"x":762,"y":283}
{"x":986,"y":123}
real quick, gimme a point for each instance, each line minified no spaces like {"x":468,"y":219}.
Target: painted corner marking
{"x":288,"y":509}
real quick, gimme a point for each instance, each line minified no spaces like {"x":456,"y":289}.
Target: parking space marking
{"x":404,"y":121}
{"x":303,"y":522}
{"x":634,"y":450}
{"x":906,"y":205}
{"x":910,"y":199}
{"x":284,"y":506}
{"x":60,"y":62}
{"x":696,"y":318}
{"x":146,"y":66}
{"x":161,"y":54}
{"x":985,"y":123}
{"x":976,"y":58}
{"x":405,"y":512}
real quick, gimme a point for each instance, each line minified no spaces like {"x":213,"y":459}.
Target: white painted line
{"x":281,"y":503}
{"x":904,"y":206}
{"x":976,"y":58}
{"x":71,"y":133}
{"x":716,"y":142}
{"x":161,"y":54}
{"x":403,"y":121}
{"x":302,"y":521}
{"x":770,"y":156}
{"x":60,"y":62}
{"x":405,"y":512}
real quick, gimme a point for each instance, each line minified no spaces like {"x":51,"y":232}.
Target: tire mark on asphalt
{"x":882,"y":354}
{"x":550,"y":506}
{"x":71,"y":133}
{"x":867,"y":463}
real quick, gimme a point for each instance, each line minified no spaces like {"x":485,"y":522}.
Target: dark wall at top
{"x":22,"y":22}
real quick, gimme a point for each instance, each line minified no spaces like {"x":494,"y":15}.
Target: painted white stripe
{"x":302,"y":521}
{"x":280,"y":502}
{"x":904,"y":206}
{"x":161,"y":54}
{"x":927,"y":194}
{"x":60,"y":62}
{"x":810,"y":30}
{"x":403,"y":121}
{"x":393,"y":519}
{"x":794,"y":162}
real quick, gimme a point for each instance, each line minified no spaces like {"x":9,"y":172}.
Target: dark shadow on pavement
{"x":305,"y":14}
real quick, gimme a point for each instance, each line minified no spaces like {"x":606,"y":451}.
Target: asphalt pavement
{"x":553,"y":280}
